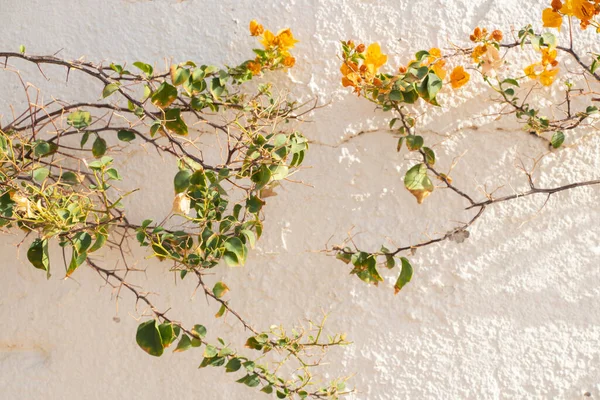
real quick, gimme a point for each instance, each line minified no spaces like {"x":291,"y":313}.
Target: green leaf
{"x":210,"y":351}
{"x":418,"y":183}
{"x":396,"y":95}
{"x":84,"y":138}
{"x":233,"y":365}
{"x":221,"y":311}
{"x":429,"y":155}
{"x":557,"y":139}
{"x":125,"y":135}
{"x":82,"y":241}
{"x":216,"y":89}
{"x":42,"y":148}
{"x":250,"y":380}
{"x":511,"y":81}
{"x":149,"y":339}
{"x":40,"y":174}
{"x":174,"y":122}
{"x":179,"y":75}
{"x":79,"y":119}
{"x":110,"y":89}
{"x":69,"y":178}
{"x":220,"y":289}
{"x":400,"y":141}
{"x":434,"y":84}
{"x":235,"y":252}
{"x":279,"y":172}
{"x":99,"y":243}
{"x":254,"y":204}
{"x":267,"y":389}
{"x":414,"y":142}
{"x":419,"y":55}
{"x":22,"y":49}
{"x":199,"y":330}
{"x":99,"y":147}
{"x":113,"y":174}
{"x":164,"y":96}
{"x":261,"y":177}
{"x":38,"y":255}
{"x":77,"y":259}
{"x":405,"y":275}
{"x":182,"y":181}
{"x":184,"y":344}
{"x":167,"y":334}
{"x":146,"y":68}
{"x":549,"y":40}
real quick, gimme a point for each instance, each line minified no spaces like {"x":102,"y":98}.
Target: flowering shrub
{"x":423,"y":78}
{"x":60,"y":183}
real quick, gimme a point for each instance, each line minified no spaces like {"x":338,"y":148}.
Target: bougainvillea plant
{"x":60,"y":183}
{"x":427,"y":76}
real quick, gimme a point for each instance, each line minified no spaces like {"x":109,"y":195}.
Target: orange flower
{"x":256,"y":29}
{"x":539,"y":72}
{"x":435,"y":58}
{"x":581,"y":9}
{"x":552,"y":19}
{"x":478,"y":52}
{"x":254,"y":67}
{"x":351,"y":77}
{"x":268,"y":40}
{"x":374,"y":58}
{"x":496,"y":35}
{"x":549,"y":57}
{"x":360,"y":48}
{"x":459,"y":77}
{"x":478,"y":34}
{"x":285,"y":40}
{"x":289,"y":61}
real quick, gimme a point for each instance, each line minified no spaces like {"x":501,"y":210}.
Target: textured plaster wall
{"x":511,"y":313}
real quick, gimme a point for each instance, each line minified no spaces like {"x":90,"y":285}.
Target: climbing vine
{"x":425,"y":79}
{"x":61,"y":183}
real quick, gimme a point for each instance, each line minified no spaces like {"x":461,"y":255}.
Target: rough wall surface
{"x":512,"y":313}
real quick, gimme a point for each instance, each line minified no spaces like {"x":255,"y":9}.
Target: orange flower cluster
{"x":481,"y":35}
{"x":545,"y":71}
{"x":584,"y":10}
{"x":353,"y":75}
{"x":486,"y":55}
{"x":279,"y":45}
{"x":356,"y":74}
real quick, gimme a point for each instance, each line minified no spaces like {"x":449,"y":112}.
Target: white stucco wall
{"x":512,"y":313}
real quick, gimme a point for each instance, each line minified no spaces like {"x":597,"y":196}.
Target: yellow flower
{"x":256,"y":29}
{"x":374,"y":59}
{"x":459,"y":77}
{"x":540,"y":72}
{"x":549,"y":57}
{"x":289,"y":61}
{"x":551,"y":19}
{"x":548,"y":76}
{"x":434,"y":54}
{"x":268,"y":40}
{"x":582,"y":9}
{"x":285,"y":40}
{"x":435,"y":57}
{"x":351,"y":77}
{"x":478,"y":52}
{"x":254,"y":67}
